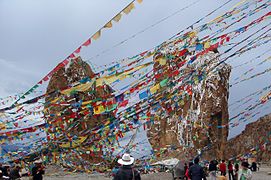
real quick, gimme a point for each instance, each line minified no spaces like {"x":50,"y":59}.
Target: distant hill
{"x":255,"y":140}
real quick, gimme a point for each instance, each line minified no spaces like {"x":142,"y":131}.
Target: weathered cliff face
{"x":200,"y":116}
{"x":65,"y":113}
{"x":255,"y":140}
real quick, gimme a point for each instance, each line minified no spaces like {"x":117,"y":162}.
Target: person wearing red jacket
{"x":222,"y":168}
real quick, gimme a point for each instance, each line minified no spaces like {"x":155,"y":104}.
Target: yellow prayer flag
{"x":99,"y":82}
{"x":81,"y":87}
{"x":117,"y":17}
{"x":155,"y":88}
{"x":74,"y":143}
{"x":97,"y":35}
{"x":192,"y":34}
{"x":162,"y":61}
{"x":207,"y":45}
{"x":108,"y":25}
{"x":98,"y":110}
{"x":129,"y":8}
{"x":86,"y":102}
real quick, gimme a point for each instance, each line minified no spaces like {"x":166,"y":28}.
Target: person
{"x":178,"y":171}
{"x":244,"y":173}
{"x":258,"y":166}
{"x":1,"y":175}
{"x":5,"y":171}
{"x":253,"y":166}
{"x":230,"y":170}
{"x":196,"y":171}
{"x":15,"y":173}
{"x":38,"y":170}
{"x":126,"y":171}
{"x":1,"y":167}
{"x":212,"y":170}
{"x":222,"y":168}
{"x":187,"y":170}
{"x":236,"y":169}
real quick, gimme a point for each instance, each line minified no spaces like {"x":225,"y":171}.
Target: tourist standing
{"x":230,"y":170}
{"x":178,"y":170}
{"x":244,"y":173}
{"x":1,"y":168}
{"x":187,"y":170}
{"x":236,"y":169}
{"x":15,"y":173}
{"x":1,"y":175}
{"x":38,"y":170}
{"x":126,"y":171}
{"x":212,"y":170}
{"x":6,"y":170}
{"x":196,"y":171}
{"x":222,"y":168}
{"x":254,"y":166}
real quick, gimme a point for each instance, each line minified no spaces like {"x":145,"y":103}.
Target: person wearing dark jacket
{"x":38,"y":170}
{"x":15,"y":173}
{"x":126,"y":171}
{"x":253,"y":166}
{"x":212,"y":170}
{"x":196,"y":171}
{"x":5,"y":170}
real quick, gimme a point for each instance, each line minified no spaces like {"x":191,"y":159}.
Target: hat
{"x":126,"y":159}
{"x":38,"y":161}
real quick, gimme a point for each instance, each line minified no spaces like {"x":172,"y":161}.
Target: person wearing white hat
{"x":127,"y":172}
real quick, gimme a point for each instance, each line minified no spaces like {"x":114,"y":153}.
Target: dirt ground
{"x":54,"y":173}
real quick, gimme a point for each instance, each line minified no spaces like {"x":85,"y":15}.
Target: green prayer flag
{"x":164,"y":82}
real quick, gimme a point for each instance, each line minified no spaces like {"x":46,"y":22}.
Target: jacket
{"x":222,"y":167}
{"x":212,"y":167}
{"x":196,"y":172}
{"x":37,"y":173}
{"x":127,"y":173}
{"x":14,"y":174}
{"x":246,"y":173}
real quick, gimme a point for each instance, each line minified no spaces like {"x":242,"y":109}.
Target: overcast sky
{"x":35,"y":35}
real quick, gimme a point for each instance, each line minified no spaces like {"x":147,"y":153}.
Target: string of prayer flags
{"x":95,"y":36}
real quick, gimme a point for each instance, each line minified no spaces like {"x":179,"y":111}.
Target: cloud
{"x":13,"y":78}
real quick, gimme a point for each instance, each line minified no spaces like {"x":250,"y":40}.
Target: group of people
{"x":16,"y":172}
{"x":234,"y":172}
{"x":193,"y":171}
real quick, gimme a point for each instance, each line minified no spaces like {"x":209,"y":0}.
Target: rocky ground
{"x":54,"y":173}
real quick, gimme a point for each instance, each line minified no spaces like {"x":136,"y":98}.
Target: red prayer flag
{"x":78,"y":50}
{"x":87,"y":42}
{"x":72,"y":55}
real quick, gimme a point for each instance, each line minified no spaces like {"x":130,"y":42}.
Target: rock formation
{"x":200,"y":117}
{"x":255,"y":140}
{"x":64,"y":112}
{"x":195,"y":120}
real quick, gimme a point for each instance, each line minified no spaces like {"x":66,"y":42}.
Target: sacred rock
{"x":194,"y":112}
{"x":70,"y":118}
